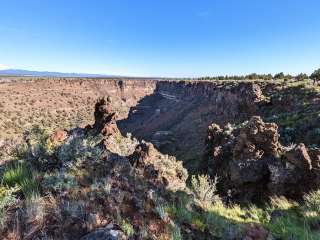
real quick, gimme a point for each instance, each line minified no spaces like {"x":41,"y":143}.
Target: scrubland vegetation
{"x":86,"y":182}
{"x":34,"y":188}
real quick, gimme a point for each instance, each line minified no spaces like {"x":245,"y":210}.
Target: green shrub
{"x":294,"y":222}
{"x":74,"y":208}
{"x":55,"y":182}
{"x":204,"y":188}
{"x":19,"y":175}
{"x":216,"y":224}
{"x":281,"y":203}
{"x":15,"y":174}
{"x":290,"y":227}
{"x":181,"y":213}
{"x":176,"y":233}
{"x":38,"y":137}
{"x":127,"y":228}
{"x":315,"y":75}
{"x":79,"y":148}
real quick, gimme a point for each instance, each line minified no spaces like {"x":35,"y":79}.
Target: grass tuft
{"x":20,"y":175}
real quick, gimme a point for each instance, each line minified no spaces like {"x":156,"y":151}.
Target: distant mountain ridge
{"x":21,"y":72}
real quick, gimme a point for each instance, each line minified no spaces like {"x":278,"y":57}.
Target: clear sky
{"x":161,"y":37}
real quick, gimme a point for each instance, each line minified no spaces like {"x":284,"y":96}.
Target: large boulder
{"x":252,"y":164}
{"x":257,"y":139}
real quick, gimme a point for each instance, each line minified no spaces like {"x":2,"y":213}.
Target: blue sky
{"x":161,"y":37}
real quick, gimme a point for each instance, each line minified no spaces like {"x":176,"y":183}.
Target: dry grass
{"x":59,"y":103}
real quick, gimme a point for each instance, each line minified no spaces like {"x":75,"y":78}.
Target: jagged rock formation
{"x":162,"y":170}
{"x":252,"y":164}
{"x":105,"y":186}
{"x":158,"y":168}
{"x":105,"y":118}
{"x":93,"y":178}
{"x":175,"y":117}
{"x":164,"y":112}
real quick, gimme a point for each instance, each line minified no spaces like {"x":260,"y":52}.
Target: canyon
{"x":134,"y":158}
{"x":173,"y":115}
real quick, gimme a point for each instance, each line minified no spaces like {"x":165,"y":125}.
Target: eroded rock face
{"x":257,"y":139}
{"x":252,"y":164}
{"x":252,"y":95}
{"x":176,"y":116}
{"x":105,"y":117}
{"x":158,"y":168}
{"x":111,"y":185}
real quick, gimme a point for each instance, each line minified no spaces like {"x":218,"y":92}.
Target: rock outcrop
{"x":253,"y":165}
{"x":105,"y":117}
{"x":136,"y":181}
{"x":93,"y":192}
{"x":161,"y":170}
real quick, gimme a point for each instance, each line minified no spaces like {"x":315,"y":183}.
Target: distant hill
{"x":21,"y":72}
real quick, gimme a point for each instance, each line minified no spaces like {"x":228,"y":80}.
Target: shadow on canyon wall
{"x":176,"y":115}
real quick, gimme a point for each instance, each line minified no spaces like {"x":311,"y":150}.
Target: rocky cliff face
{"x":252,"y":159}
{"x":176,"y":115}
{"x":94,"y":181}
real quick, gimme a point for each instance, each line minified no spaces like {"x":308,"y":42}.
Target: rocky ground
{"x":80,"y":189}
{"x":249,"y":170}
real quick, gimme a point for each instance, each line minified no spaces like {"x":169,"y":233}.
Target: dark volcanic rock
{"x":253,"y":165}
{"x":105,"y":117}
{"x":161,"y":170}
{"x":256,"y":140}
{"x":134,"y":182}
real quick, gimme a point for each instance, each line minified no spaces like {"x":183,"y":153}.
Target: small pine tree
{"x":301,"y":76}
{"x":279,"y":75}
{"x":315,"y":76}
